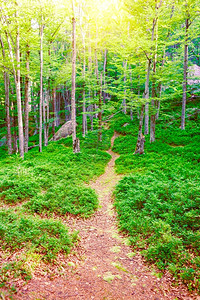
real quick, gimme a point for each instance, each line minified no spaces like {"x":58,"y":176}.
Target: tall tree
{"x":76,"y":142}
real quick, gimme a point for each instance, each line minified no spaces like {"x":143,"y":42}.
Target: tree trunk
{"x":146,"y":96}
{"x":47,"y":118}
{"x":104,"y":75}
{"x":124,"y":108}
{"x":100,"y":112}
{"x":76,"y":143}
{"x":41,"y":86}
{"x":153,"y":108}
{"x":141,"y":139}
{"x":27,"y":101}
{"x":44,"y":120}
{"x":54,"y":113}
{"x":146,"y":130}
{"x":7,"y":101}
{"x":84,"y":125}
{"x":18,"y":92}
{"x":184,"y":99}
{"x":15,"y":144}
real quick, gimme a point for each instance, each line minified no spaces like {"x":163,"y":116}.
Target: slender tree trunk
{"x":44,"y":120}
{"x":18,"y":91}
{"x":90,"y":73}
{"x":153,"y":108}
{"x":16,"y":74}
{"x":84,"y":116}
{"x":160,"y":89}
{"x":58,"y":110}
{"x":54,"y":113}
{"x":146,"y":130}
{"x":104,"y":75}
{"x":15,"y":144}
{"x":141,"y":139}
{"x":47,"y":118}
{"x":76,"y":143}
{"x":7,"y":101}
{"x":124,"y":109}
{"x":131,"y":83}
{"x":27,"y":101}
{"x":41,"y":86}
{"x":100,"y":111}
{"x":84,"y":125}
{"x":99,"y":84}
{"x":184,"y":99}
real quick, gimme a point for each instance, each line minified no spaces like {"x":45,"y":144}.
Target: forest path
{"x":103,"y":266}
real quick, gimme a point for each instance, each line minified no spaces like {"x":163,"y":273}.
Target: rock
{"x":64,"y":131}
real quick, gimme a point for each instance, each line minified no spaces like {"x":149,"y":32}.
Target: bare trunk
{"x":153,"y":108}
{"x":44,"y":120}
{"x":90,"y":73}
{"x":15,"y":144}
{"x":16,"y":74}
{"x":58,"y":110}
{"x":47,"y":118}
{"x":84,"y":125}
{"x":104,"y":75}
{"x":141,"y":139}
{"x":27,"y":101}
{"x":41,"y":87}
{"x":124,"y":108}
{"x":76,"y":143}
{"x":146,"y":130}
{"x":54,"y":113}
{"x":146,"y":96}
{"x":18,"y":92}
{"x":184,"y":99}
{"x":100,"y":111}
{"x":7,"y":102}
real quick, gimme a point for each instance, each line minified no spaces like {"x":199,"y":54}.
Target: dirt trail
{"x":103,"y":265}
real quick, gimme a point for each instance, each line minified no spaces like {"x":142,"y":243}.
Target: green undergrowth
{"x":53,"y":183}
{"x":27,"y":240}
{"x":44,"y":236}
{"x":124,"y":125}
{"x":158,"y":201}
{"x":90,"y":141}
{"x":54,"y":180}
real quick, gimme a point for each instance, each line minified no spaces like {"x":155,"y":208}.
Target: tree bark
{"x":16,"y":74}
{"x":18,"y":92}
{"x":104,"y":75}
{"x":124,"y":108}
{"x":155,"y":20}
{"x":7,"y":101}
{"x":100,"y":112}
{"x":76,"y":143}
{"x":184,"y":99}
{"x":54,"y":113}
{"x":27,"y":101}
{"x":153,"y":108}
{"x":41,"y":86}
{"x":141,"y":139}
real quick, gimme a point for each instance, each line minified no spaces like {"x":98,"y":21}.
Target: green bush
{"x":44,"y":236}
{"x":158,"y":201}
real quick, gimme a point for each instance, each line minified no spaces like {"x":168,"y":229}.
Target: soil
{"x":103,"y":265}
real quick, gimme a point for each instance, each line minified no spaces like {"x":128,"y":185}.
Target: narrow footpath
{"x":103,"y":265}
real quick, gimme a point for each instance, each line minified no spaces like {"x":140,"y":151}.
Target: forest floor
{"x":103,"y":265}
